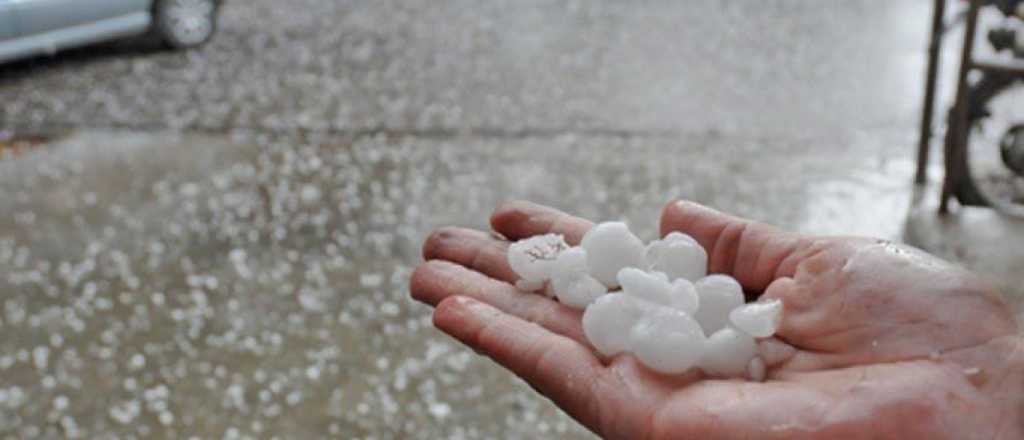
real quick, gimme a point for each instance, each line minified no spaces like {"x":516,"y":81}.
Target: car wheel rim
{"x":190,"y":21}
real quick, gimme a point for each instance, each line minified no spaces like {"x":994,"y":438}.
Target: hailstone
{"x":719,"y":295}
{"x":667,"y":340}
{"x":679,"y":256}
{"x":655,"y":287}
{"x":533,"y":258}
{"x":581,"y":292}
{"x":684,"y":296}
{"x":571,"y":283}
{"x":572,"y":261}
{"x":661,"y":315}
{"x":759,"y":319}
{"x":727,"y":353}
{"x":570,"y":265}
{"x":608,"y":321}
{"x":611,"y":247}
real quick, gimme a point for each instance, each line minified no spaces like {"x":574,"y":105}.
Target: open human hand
{"x":890,"y":342}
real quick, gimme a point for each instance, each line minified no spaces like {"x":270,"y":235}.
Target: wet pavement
{"x":219,"y":243}
{"x":778,"y":68}
{"x":979,"y":238}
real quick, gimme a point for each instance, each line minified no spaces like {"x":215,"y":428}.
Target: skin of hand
{"x":890,"y":341}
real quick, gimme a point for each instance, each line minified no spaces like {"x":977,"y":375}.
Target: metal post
{"x":934,"y":51}
{"x":956,"y":138}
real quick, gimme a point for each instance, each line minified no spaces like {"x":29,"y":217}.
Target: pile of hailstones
{"x":668,"y":313}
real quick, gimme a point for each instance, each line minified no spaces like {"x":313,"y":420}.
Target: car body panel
{"x":96,"y":31}
{"x":7,"y":20}
{"x":34,"y":27}
{"x":38,"y":16}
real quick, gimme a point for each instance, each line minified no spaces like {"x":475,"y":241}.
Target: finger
{"x":437,"y":280}
{"x":795,"y":298}
{"x":474,"y":249}
{"x":774,"y":351}
{"x":558,"y":367}
{"x":800,"y":327}
{"x":520,"y":219}
{"x":753,"y":253}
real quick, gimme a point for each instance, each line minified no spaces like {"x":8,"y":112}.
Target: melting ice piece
{"x":533,"y":258}
{"x":727,"y":353}
{"x":719,"y":295}
{"x":667,"y":340}
{"x":608,"y":321}
{"x":581,"y":292}
{"x":759,"y":319}
{"x":610,"y":247}
{"x":655,"y":287}
{"x":570,"y":281}
{"x":679,"y":256}
{"x":570,"y":263}
{"x":684,"y":296}
{"x":649,"y":286}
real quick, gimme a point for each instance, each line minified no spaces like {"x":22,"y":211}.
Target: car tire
{"x":184,"y":24}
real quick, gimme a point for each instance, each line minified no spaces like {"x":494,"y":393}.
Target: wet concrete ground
{"x":775,"y":69}
{"x":221,"y":244}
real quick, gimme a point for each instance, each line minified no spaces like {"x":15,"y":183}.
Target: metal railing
{"x":957,"y":181}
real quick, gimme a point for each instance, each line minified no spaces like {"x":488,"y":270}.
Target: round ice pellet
{"x":677,"y":255}
{"x":684,"y":296}
{"x":654,"y":287}
{"x":719,"y":295}
{"x":571,"y":262}
{"x":650,"y":286}
{"x":760,"y":319}
{"x":560,"y":283}
{"x":678,"y":237}
{"x":608,"y":320}
{"x":610,"y":247}
{"x":727,"y":353}
{"x":667,"y":340}
{"x":533,"y":258}
{"x":570,"y":281}
{"x":580,"y":292}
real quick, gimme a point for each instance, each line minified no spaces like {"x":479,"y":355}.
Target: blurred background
{"x":207,"y":231}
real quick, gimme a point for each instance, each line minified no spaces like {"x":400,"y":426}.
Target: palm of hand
{"x":891,"y":343}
